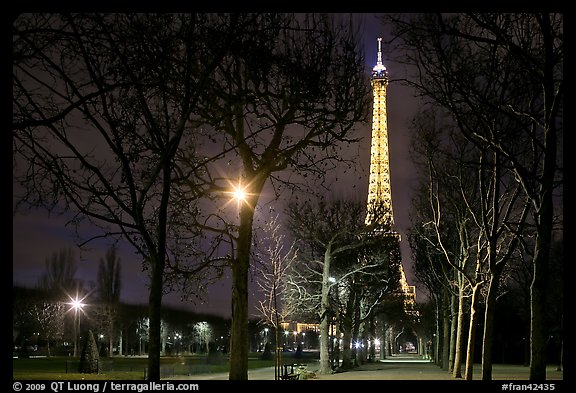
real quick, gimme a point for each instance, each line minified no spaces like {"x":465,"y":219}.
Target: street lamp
{"x":76,"y":305}
{"x":238,"y":192}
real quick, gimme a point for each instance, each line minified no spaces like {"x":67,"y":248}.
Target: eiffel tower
{"x":379,"y":188}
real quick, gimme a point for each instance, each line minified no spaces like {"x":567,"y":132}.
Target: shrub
{"x":89,"y":358}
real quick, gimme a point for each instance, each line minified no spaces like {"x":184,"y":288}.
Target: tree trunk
{"x":453,"y":330}
{"x":324,"y":315}
{"x":239,"y":341}
{"x":383,"y":340}
{"x":488,"y":336}
{"x":538,"y":333}
{"x":346,"y":330}
{"x":446,"y":340}
{"x":446,"y":330}
{"x":390,"y":341}
{"x":120,"y":344}
{"x":336,"y":351}
{"x":355,"y":337}
{"x":110,"y":345}
{"x":346,"y":353}
{"x":372,"y":333}
{"x":155,"y":305}
{"x":538,"y":330}
{"x":469,"y":372}
{"x":457,"y":371}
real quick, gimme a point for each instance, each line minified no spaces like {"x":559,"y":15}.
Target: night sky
{"x":36,"y":236}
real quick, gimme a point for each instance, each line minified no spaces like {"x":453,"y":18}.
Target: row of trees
{"x":44,"y":324}
{"x":141,"y":124}
{"x":55,"y":312}
{"x":487,"y":148}
{"x":339,"y":272}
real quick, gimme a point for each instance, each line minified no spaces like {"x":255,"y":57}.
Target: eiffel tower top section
{"x":379,"y":190}
{"x":379,"y":71}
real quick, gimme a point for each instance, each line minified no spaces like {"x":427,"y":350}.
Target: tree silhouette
{"x":60,"y":273}
{"x":108,"y":289}
{"x":101,"y":104}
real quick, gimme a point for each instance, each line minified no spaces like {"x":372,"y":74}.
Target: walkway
{"x":406,"y":367}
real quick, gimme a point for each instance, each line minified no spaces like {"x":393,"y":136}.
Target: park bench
{"x":288,"y":372}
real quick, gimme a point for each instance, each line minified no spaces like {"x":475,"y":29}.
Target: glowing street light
{"x":239,"y":193}
{"x":76,"y":305}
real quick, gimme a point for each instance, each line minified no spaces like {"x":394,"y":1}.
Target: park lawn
{"x":63,"y":368}
{"x":122,"y":368}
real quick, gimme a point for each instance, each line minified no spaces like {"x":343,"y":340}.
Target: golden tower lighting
{"x":379,"y":188}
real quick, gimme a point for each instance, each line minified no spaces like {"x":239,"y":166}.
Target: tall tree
{"x":343,"y":264}
{"x":271,"y":276}
{"x":50,"y":316}
{"x":482,"y":67}
{"x":60,"y":274}
{"x":109,"y":281}
{"x":492,"y":203}
{"x":288,"y":97}
{"x":101,"y":104}
{"x":108,"y":289}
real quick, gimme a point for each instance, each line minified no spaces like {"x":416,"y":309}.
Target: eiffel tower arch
{"x":394,"y":339}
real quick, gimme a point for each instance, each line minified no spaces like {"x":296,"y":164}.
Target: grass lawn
{"x":127,"y":368}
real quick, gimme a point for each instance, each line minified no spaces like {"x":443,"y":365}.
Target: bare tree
{"x":490,"y":199}
{"x":288,"y":97}
{"x":60,"y":274}
{"x":443,"y":218}
{"x":428,"y":269}
{"x":203,"y":333}
{"x":109,"y":277}
{"x":108,"y":289}
{"x":50,"y":316}
{"x":271,"y":274}
{"x":101,"y":104}
{"x":329,"y":280}
{"x":501,"y":76}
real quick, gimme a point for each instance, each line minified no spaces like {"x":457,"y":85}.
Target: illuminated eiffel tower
{"x":379,"y":189}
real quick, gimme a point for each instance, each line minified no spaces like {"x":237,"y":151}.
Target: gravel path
{"x":408,"y":367}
